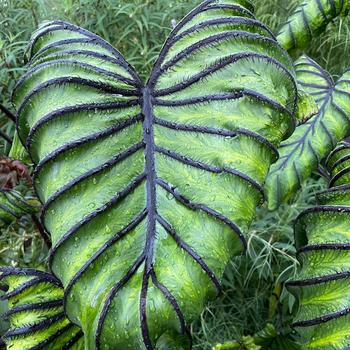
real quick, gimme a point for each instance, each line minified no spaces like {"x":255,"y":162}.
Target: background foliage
{"x":138,"y":28}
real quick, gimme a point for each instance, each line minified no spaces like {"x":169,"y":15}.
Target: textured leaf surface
{"x":148,"y":190}
{"x":323,"y":242}
{"x":13,"y":206}
{"x":311,"y":142}
{"x":310,"y":19}
{"x":36,"y":313}
{"x":307,"y":107}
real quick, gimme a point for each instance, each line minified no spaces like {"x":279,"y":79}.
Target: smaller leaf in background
{"x":311,"y":142}
{"x":338,"y":164}
{"x":230,"y":345}
{"x":270,"y":339}
{"x":322,"y":284}
{"x":247,"y":343}
{"x":36,"y":314}
{"x":13,"y":205}
{"x":266,"y":339}
{"x":310,"y":19}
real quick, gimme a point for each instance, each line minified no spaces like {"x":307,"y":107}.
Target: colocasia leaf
{"x":323,"y":243}
{"x":312,"y":141}
{"x":310,"y":19}
{"x":36,"y":313}
{"x":148,"y":189}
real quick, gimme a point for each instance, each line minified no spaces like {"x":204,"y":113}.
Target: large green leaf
{"x":310,"y":19}
{"x":323,"y":243}
{"x":149,"y":189}
{"x":36,"y":312}
{"x":312,"y":141}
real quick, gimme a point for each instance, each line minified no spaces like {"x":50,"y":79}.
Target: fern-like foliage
{"x":310,"y":19}
{"x":148,"y":189}
{"x":36,"y":312}
{"x":312,"y":141}
{"x":323,"y":243}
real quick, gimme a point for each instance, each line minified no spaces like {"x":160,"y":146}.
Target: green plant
{"x":310,"y":19}
{"x":322,"y":239}
{"x":252,"y":285}
{"x":36,"y":312}
{"x":312,"y":141}
{"x":146,"y":270}
{"x":267,"y":339}
{"x":4,"y":135}
{"x":13,"y":205}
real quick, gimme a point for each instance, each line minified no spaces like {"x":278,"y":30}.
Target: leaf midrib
{"x":148,"y":137}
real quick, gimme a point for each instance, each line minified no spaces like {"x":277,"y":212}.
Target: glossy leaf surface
{"x":13,"y":206}
{"x":149,"y":189}
{"x":312,"y":141}
{"x":310,"y":19}
{"x":323,"y":243}
{"x":35,"y":312}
